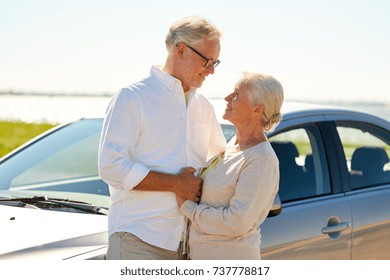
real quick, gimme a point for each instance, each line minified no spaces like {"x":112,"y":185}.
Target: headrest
{"x":285,"y":149}
{"x":366,"y":157}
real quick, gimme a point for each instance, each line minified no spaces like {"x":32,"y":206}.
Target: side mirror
{"x":276,"y":207}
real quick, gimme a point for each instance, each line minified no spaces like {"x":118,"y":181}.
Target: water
{"x":63,"y":108}
{"x":51,"y":109}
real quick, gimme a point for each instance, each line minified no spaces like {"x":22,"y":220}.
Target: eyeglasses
{"x":209,"y":61}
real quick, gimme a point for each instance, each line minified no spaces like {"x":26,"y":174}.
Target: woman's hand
{"x":179,"y":200}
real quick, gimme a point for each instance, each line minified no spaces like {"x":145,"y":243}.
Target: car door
{"x":366,"y":153}
{"x":315,"y":222}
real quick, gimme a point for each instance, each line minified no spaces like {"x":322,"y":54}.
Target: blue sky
{"x":319,"y":50}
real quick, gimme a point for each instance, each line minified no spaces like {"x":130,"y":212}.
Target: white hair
{"x":190,"y":30}
{"x":266,"y":90}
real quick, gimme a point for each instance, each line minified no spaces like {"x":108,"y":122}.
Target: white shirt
{"x":149,"y":127}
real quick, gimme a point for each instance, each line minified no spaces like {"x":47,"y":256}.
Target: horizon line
{"x":104,"y":94}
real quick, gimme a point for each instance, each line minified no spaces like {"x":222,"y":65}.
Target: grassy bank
{"x":13,"y":134}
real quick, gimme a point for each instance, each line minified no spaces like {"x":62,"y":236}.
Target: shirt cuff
{"x":135,"y":176}
{"x":187,"y":208}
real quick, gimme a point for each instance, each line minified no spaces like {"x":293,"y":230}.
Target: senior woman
{"x":239,"y":185}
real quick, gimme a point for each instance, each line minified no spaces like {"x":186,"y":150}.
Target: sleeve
{"x":249,"y":206}
{"x":119,"y":136}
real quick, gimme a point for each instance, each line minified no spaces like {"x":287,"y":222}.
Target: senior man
{"x":156,"y":134}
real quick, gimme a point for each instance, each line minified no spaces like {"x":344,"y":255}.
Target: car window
{"x":302,"y":163}
{"x":229,"y":131}
{"x":74,"y":161}
{"x":367,"y":154}
{"x":69,"y":153}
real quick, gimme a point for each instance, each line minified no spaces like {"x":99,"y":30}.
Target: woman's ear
{"x":259,"y":108}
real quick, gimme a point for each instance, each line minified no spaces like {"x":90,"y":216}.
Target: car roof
{"x":293,"y":110}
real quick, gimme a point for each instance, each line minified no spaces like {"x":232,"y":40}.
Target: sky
{"x":336,"y":50}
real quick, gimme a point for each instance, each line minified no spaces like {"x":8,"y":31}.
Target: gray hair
{"x":266,"y":90}
{"x":190,"y":30}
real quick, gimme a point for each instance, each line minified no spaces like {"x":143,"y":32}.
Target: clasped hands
{"x":189,"y":186}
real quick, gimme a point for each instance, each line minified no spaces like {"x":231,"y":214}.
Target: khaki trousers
{"x":127,"y":246}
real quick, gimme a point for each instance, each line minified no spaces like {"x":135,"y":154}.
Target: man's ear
{"x":180,"y":49}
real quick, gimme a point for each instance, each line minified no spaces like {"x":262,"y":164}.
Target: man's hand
{"x":188,"y":186}
{"x":184,"y":184}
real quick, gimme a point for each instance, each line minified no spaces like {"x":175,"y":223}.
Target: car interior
{"x":295,"y":181}
{"x":367,"y":166}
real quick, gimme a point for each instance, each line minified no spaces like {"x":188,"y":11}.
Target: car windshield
{"x":62,"y":164}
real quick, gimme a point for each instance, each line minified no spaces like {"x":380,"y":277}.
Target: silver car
{"x":53,"y":205}
{"x":333,"y":200}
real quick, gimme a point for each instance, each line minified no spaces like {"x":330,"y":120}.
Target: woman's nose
{"x":229,"y":97}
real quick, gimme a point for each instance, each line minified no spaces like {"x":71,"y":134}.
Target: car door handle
{"x":336,"y":228}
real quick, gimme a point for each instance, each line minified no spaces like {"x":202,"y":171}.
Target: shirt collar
{"x":167,"y":80}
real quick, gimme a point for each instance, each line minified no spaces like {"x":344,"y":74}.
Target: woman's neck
{"x":248,"y":136}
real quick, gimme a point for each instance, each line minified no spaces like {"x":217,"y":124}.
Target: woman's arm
{"x":250,"y":204}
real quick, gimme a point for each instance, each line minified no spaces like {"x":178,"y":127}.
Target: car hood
{"x":46,"y":234}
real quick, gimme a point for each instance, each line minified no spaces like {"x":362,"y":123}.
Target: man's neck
{"x":174,"y":72}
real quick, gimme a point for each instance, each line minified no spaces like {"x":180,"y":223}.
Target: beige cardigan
{"x":236,"y":198}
